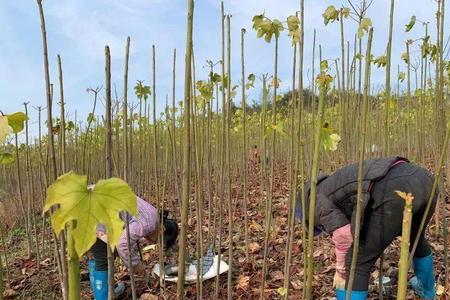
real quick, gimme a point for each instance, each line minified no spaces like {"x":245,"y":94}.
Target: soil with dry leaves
{"x":30,"y":280}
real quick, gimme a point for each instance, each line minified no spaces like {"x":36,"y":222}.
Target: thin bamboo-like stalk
{"x":403,"y":265}
{"x":108,"y":156}
{"x":268,"y":222}
{"x":126,"y":157}
{"x":362,"y":145}
{"x":244,"y":143}
{"x":186,"y":152}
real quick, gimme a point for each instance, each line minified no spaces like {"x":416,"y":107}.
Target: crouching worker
{"x":143,"y":226}
{"x":381,"y":220}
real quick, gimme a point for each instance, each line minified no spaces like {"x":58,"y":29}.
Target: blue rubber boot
{"x":91,"y":269}
{"x":355,"y":295}
{"x":423,"y":282}
{"x":99,"y":283}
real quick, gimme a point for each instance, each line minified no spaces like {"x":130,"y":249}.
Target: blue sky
{"x":78,"y":30}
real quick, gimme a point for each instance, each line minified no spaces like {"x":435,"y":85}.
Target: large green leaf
{"x":17,"y":121}
{"x":4,"y":128}
{"x":89,"y":207}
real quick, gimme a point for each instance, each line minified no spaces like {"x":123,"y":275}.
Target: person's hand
{"x":339,"y":281}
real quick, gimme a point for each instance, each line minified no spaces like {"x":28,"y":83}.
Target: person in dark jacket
{"x":381,"y":220}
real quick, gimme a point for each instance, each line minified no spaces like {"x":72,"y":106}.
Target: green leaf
{"x":401,"y":76}
{"x":330,"y":15}
{"x":329,"y":138}
{"x":206,"y":89}
{"x":142,"y":91}
{"x":17,"y":121}
{"x":293,"y":23}
{"x":4,"y":128}
{"x":215,"y":78}
{"x":323,"y":65}
{"x":380,"y":61}
{"x":89,"y":207}
{"x":282,"y":291}
{"x":345,"y":12}
{"x":257,"y":20}
{"x":6,"y":158}
{"x":405,"y":57}
{"x":364,"y":26}
{"x":411,"y":24}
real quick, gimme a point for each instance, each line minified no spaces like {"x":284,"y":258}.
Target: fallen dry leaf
{"x":277,"y":275}
{"x":148,"y":296}
{"x":242,"y":282}
{"x":254,"y":247}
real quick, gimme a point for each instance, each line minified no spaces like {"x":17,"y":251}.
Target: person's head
{"x":170,"y":232}
{"x":170,"y":228}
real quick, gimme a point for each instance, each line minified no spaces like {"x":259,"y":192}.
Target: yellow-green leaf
{"x":17,"y":121}
{"x":6,"y":158}
{"x":329,"y":138}
{"x":411,"y":24}
{"x":282,"y":291}
{"x":380,"y":61}
{"x":330,"y":14}
{"x":4,"y":128}
{"x":89,"y":207}
{"x":364,"y":26}
{"x":293,"y":23}
{"x":345,"y":12}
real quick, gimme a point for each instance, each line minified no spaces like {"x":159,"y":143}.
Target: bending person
{"x":381,"y":223}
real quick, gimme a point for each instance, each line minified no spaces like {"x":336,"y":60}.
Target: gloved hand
{"x":343,"y":240}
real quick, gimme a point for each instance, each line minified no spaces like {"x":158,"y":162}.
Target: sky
{"x":78,"y":30}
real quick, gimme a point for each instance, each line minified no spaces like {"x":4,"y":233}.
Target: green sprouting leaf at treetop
{"x":364,"y":26}
{"x":89,"y":207}
{"x":4,"y":128}
{"x":142,"y":91}
{"x":324,"y":66}
{"x":17,"y":121}
{"x":215,"y":78}
{"x":294,"y":29}
{"x":6,"y":158}
{"x":345,"y":12}
{"x":401,"y":76}
{"x":251,"y":81}
{"x":331,"y":14}
{"x":411,"y":24}
{"x":257,"y":21}
{"x":405,"y":57}
{"x":380,"y":61}
{"x":267,"y":28}
{"x":293,"y":23}
{"x":205,"y":89}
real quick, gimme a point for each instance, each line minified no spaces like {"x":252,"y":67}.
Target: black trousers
{"x":100,"y":252}
{"x":384,"y":215}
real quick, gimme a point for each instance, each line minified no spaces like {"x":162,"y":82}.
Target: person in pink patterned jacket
{"x":143,"y":226}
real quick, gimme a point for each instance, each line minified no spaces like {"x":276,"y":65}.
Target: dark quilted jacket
{"x":337,"y":193}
